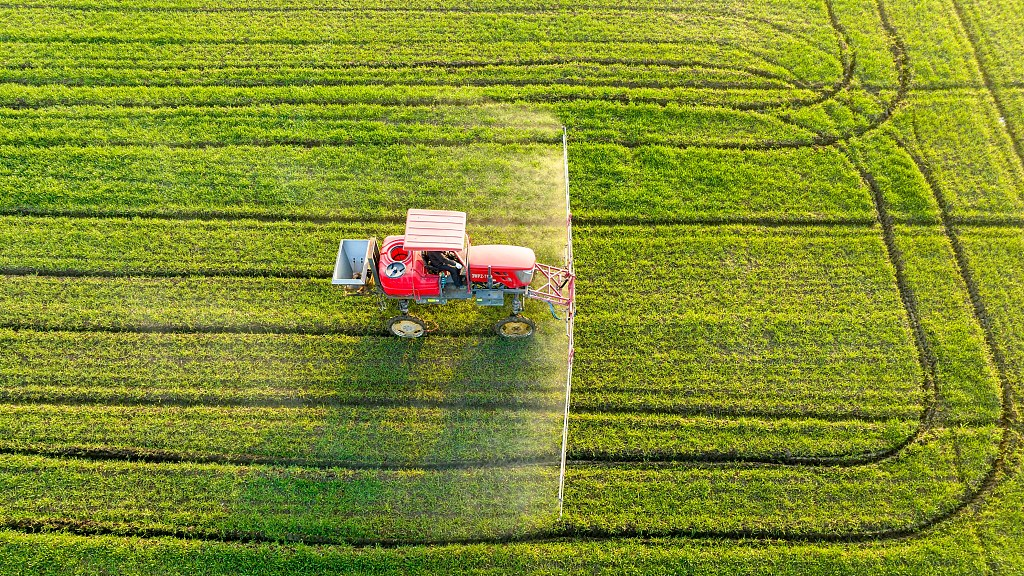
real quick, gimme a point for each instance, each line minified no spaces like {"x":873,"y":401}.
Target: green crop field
{"x":799,"y":240}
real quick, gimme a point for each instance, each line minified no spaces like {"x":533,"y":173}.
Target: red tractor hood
{"x":501,"y":256}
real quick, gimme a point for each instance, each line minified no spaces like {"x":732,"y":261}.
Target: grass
{"x":278,"y":181}
{"x":975,"y":166}
{"x":768,"y":314}
{"x":654,"y":183}
{"x":597,"y":436}
{"x":314,"y":437}
{"x":798,"y":246}
{"x":275,"y":370}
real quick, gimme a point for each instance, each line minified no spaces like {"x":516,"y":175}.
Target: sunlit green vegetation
{"x":798,"y":238}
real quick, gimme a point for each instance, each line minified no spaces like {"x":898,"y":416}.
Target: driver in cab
{"x":439,"y":262}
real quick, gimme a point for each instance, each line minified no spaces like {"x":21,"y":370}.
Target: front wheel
{"x":515,"y":327}
{"x":406,"y":326}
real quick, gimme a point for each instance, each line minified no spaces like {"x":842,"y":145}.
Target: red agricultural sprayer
{"x":435,"y":263}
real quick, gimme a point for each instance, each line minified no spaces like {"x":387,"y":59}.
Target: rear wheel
{"x":406,"y":326}
{"x":515,"y":327}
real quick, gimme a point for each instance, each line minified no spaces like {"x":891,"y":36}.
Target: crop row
{"x":281,"y":503}
{"x":397,"y":28}
{"x":279,"y":370}
{"x":975,"y":165}
{"x":640,"y":75}
{"x":732,"y":318}
{"x":355,"y":505}
{"x":597,"y":436}
{"x":999,"y":271}
{"x":37,"y":61}
{"x":929,"y":479}
{"x":794,"y":15}
{"x":367,"y":182}
{"x":509,"y":181}
{"x":321,"y":437}
{"x":656,"y":183}
{"x":234,"y":94}
{"x":994,"y":25}
{"x":940,"y":54}
{"x":279,"y":124}
{"x":313,"y":125}
{"x":126,"y":247}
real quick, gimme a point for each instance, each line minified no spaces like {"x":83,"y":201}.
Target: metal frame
{"x":570,"y":320}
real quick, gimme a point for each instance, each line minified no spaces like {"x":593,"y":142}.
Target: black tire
{"x":406,"y":326}
{"x":515,"y":327}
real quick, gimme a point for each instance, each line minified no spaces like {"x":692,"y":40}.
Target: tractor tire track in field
{"x":320,"y":402}
{"x":572,"y":532}
{"x":449,"y":65}
{"x":155,"y":456}
{"x":213,"y":329}
{"x":147,"y":273}
{"x":594,"y":221}
{"x":846,"y":57}
{"x":979,"y":308}
{"x":728,"y":412}
{"x":466,"y":83}
{"x":564,"y":532}
{"x":847,"y":460}
{"x":990,"y":86}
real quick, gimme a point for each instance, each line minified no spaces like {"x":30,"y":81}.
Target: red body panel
{"x":415,"y":283}
{"x":502,"y":261}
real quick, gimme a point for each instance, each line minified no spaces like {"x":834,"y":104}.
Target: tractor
{"x":434,"y":263}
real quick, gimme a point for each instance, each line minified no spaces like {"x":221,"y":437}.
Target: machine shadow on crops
{"x":434,"y":262}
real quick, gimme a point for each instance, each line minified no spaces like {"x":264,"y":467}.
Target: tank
{"x":510,"y":266}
